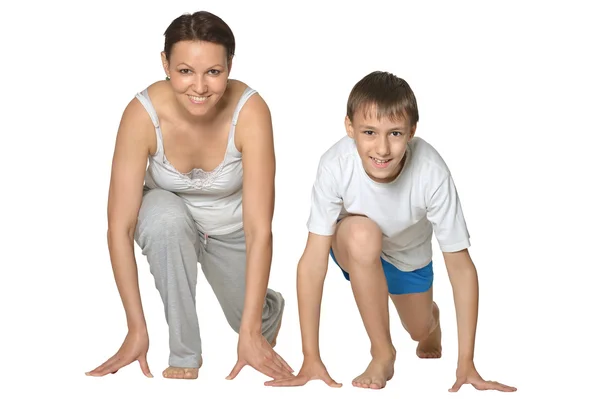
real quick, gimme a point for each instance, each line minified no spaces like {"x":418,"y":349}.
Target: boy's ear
{"x":413,"y":129}
{"x":349,"y":127}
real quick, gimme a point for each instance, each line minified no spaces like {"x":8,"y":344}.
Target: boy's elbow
{"x":459,"y":260}
{"x":311,"y":270}
{"x":314,"y":260}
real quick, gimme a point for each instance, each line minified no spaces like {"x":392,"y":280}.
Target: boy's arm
{"x":312,"y":269}
{"x":445,"y":213}
{"x":465,"y":287}
{"x":326,"y":204}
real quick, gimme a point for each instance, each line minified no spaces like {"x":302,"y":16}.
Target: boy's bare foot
{"x":182,"y":373}
{"x":377,"y":374}
{"x":431,"y":347}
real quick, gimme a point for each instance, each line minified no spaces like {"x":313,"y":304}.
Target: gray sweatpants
{"x":173,"y":246}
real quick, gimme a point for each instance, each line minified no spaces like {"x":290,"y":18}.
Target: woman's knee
{"x":162,"y":215}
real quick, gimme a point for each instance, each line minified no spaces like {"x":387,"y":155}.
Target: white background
{"x":507,"y":92}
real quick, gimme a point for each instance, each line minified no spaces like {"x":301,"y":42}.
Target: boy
{"x":379,"y":195}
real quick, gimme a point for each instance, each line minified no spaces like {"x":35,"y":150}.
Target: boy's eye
{"x":369,"y":132}
{"x":397,"y":134}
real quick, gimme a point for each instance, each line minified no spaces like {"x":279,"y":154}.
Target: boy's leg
{"x":167,"y":235}
{"x":223,"y":260}
{"x":418,"y":313}
{"x":357,"y":249}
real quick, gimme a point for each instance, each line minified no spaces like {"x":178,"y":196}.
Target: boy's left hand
{"x":468,"y":375}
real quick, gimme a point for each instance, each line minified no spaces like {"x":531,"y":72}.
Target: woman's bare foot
{"x":377,"y":374}
{"x":182,"y":373}
{"x":431,"y":347}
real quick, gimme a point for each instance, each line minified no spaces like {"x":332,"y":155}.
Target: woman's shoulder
{"x":249,"y":103}
{"x":158,"y":91}
{"x":237,"y":95}
{"x":237,"y":86}
{"x":138,"y":104}
{"x":138,"y":119}
{"x":253,"y":121}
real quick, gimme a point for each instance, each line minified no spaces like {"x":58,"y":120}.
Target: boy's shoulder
{"x":339,"y":156}
{"x":426,"y":157}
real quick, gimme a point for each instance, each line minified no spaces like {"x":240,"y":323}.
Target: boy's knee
{"x":364,"y":239}
{"x":419,"y":333}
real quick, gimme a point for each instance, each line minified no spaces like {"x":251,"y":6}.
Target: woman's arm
{"x":258,"y":160}
{"x":125,"y":195}
{"x":255,"y":132}
{"x":124,"y":200}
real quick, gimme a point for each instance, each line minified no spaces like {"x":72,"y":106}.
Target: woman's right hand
{"x":136,"y":140}
{"x":135,"y":347}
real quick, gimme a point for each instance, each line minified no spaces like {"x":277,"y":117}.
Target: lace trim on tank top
{"x":197,"y":177}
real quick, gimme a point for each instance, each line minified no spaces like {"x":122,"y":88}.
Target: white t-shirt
{"x":420,"y":201}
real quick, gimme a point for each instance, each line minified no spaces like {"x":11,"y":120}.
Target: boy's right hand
{"x":312,"y":369}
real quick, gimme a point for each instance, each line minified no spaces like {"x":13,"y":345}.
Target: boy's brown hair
{"x":388,"y":94}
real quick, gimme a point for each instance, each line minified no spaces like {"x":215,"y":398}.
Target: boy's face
{"x":381,"y":143}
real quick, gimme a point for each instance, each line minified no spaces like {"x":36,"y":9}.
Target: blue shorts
{"x":400,"y":282}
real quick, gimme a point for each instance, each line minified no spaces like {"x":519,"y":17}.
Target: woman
{"x":204,"y":137}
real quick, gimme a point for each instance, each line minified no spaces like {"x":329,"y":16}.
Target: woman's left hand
{"x":255,"y":351}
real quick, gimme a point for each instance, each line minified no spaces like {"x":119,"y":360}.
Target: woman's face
{"x":198,"y":72}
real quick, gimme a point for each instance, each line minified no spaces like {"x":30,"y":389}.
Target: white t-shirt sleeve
{"x":326,"y":204}
{"x":444,"y":211}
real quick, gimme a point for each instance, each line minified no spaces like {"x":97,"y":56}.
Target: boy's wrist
{"x":311,"y":356}
{"x":465,"y":361}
